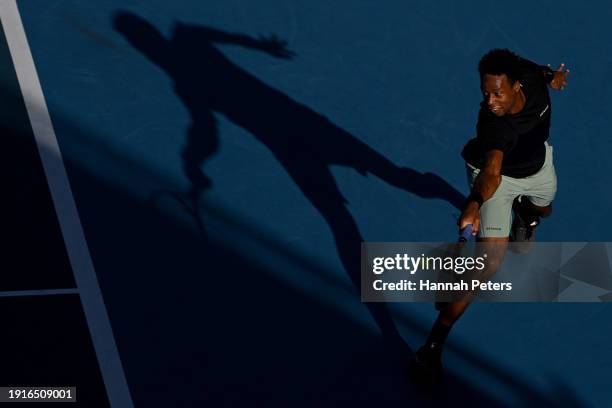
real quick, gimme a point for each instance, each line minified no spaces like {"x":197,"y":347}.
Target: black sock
{"x":527,"y":210}
{"x":437,"y":336}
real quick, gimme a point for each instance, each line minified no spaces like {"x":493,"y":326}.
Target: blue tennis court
{"x":304,"y":128}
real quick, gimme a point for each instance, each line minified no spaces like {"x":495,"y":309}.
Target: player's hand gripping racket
{"x":465,"y":233}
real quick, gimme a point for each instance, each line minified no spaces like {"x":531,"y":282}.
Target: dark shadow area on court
{"x":45,"y":339}
{"x":305,"y":336}
{"x":305,"y":142}
{"x":46,"y":343}
{"x":33,"y":254}
{"x":198,"y":322}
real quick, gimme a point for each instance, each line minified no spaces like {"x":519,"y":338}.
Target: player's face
{"x":499,"y":95}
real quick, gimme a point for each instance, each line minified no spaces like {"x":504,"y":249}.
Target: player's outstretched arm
{"x":485,"y":185}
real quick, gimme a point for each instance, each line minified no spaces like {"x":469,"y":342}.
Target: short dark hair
{"x":500,"y":61}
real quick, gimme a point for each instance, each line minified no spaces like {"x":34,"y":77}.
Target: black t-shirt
{"x":520,"y":136}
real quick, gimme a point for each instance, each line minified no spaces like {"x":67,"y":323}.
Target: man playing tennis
{"x":510,"y":169}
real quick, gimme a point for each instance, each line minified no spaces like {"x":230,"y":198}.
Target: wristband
{"x":549,"y":74}
{"x":476,"y":197}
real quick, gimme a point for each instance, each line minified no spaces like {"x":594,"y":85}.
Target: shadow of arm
{"x":271,"y":45}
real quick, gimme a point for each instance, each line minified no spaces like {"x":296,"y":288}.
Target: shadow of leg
{"x":317,"y":183}
{"x":202,"y":142}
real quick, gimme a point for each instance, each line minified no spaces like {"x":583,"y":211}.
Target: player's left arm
{"x":557,"y":78}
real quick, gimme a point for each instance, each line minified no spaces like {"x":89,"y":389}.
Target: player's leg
{"x":495,"y":248}
{"x":542,"y":211}
{"x":429,"y":356}
{"x":495,"y":217}
{"x":536,"y":202}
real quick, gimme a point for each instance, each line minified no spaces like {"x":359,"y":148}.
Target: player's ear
{"x":516,"y":86}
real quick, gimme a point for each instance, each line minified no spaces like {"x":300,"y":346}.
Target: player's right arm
{"x":485,"y":185}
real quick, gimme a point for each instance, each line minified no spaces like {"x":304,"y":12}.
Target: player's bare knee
{"x":544,"y":211}
{"x":493,"y":249}
{"x":547,"y":212}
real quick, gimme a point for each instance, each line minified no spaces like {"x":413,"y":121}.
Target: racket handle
{"x":465,"y":233}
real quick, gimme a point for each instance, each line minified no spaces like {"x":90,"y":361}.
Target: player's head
{"x":499,"y":74}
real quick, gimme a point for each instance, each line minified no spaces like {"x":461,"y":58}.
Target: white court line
{"x":41,"y":292}
{"x":72,"y":231}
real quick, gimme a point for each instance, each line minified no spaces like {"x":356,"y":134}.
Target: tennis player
{"x":510,"y":170}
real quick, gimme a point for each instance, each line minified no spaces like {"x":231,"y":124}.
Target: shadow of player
{"x":305,"y":142}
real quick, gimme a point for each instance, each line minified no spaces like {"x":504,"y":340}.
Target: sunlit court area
{"x":189,"y":184}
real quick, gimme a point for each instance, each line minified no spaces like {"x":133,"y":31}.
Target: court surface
{"x":355,"y":136}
